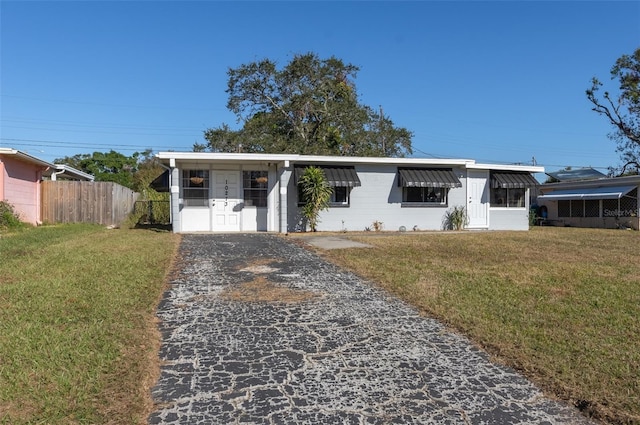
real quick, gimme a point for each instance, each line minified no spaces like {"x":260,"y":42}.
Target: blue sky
{"x":499,"y":82}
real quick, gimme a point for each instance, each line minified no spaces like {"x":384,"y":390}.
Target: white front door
{"x":226,"y":201}
{"x":478,"y":198}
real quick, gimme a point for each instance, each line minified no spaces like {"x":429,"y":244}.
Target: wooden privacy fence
{"x":86,"y":202}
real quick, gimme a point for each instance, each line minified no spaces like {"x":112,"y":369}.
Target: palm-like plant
{"x":316,"y":194}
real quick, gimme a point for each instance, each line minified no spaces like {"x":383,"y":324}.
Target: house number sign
{"x":226,"y":192}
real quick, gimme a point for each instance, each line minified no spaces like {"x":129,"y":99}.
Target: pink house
{"x":20,"y":177}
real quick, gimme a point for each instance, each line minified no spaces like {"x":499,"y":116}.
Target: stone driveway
{"x":257,"y":329}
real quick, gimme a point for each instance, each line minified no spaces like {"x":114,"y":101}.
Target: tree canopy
{"x":622,"y":109}
{"x":135,"y":172}
{"x":308,"y":107}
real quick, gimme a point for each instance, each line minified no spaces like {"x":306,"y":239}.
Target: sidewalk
{"x":257,"y":330}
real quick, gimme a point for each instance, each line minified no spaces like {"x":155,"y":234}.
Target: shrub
{"x":152,"y":208}
{"x":9,"y":218}
{"x":316,"y":194}
{"x":456,"y":218}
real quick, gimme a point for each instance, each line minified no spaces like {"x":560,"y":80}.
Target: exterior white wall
{"x":509,"y":219}
{"x":199,"y":219}
{"x":378,"y":199}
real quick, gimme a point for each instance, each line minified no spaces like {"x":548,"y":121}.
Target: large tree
{"x":308,"y":107}
{"x":622,"y":109}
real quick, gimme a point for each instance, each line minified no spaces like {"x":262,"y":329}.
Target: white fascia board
{"x":74,"y":172}
{"x":292,"y":158}
{"x":506,"y":167}
{"x":215,"y":156}
{"x":379,"y":160}
{"x":25,"y":157}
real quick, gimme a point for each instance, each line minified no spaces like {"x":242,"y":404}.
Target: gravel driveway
{"x":257,"y":329}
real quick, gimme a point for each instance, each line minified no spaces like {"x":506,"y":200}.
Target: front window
{"x":508,"y":198}
{"x":195,"y":188}
{"x":255,"y":188}
{"x":425,"y":195}
{"x":340,"y":196}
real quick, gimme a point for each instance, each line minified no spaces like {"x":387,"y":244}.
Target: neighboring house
{"x":601,"y":202}
{"x":232,"y":192}
{"x":20,"y":181}
{"x":20,"y":177}
{"x":67,"y":173}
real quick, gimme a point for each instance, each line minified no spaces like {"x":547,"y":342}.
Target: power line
{"x":111,"y":105}
{"x":66,"y":130}
{"x":91,"y":125}
{"x":80,"y":145}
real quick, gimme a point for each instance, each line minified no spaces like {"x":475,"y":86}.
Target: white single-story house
{"x":601,"y":202}
{"x":242,"y":192}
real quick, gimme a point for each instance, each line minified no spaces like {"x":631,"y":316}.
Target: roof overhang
{"x":23,"y":156}
{"x":507,"y":167}
{"x":611,"y":192}
{"x":62,"y":170}
{"x":258,"y":158}
{"x":230,"y":158}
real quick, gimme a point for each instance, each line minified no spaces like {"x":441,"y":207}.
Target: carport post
{"x":284,"y":183}
{"x":175,"y":197}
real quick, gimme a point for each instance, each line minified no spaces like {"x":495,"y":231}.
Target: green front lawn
{"x":561,"y":305}
{"x":78,"y":341}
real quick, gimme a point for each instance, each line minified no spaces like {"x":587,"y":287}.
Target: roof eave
{"x":508,"y":167}
{"x":253,"y":157}
{"x":25,"y":157}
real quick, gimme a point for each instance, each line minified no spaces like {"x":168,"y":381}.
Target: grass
{"x":78,"y":341}
{"x":562,"y":305}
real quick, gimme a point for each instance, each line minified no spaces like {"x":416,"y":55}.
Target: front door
{"x":477,"y":198}
{"x":226,"y":201}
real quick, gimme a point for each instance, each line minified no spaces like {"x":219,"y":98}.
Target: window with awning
{"x":508,"y":188}
{"x":512,"y":180}
{"x":341,"y":178}
{"x":428,"y":177}
{"x":426,"y":186}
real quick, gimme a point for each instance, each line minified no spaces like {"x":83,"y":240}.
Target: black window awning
{"x":336,"y":176}
{"x":427,"y":177}
{"x":512,"y":180}
{"x":161,"y":183}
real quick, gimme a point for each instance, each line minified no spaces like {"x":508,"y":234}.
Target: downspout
{"x":39,"y":195}
{"x":2,"y":183}
{"x":55,"y":174}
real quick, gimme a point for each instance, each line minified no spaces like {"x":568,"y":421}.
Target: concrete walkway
{"x":258,"y":330}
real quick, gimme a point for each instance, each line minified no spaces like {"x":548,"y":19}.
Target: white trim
{"x":284,"y":158}
{"x":504,"y":167}
{"x":25,"y":157}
